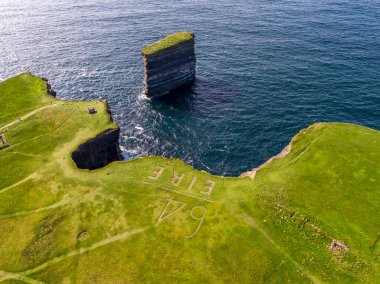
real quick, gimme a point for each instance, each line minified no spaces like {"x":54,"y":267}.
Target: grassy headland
{"x":159,"y":220}
{"x":170,"y":40}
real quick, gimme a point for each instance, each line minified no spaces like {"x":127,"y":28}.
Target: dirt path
{"x":252,"y":222}
{"x":23,"y":275}
{"x":32,"y":176}
{"x":29,"y":114}
{"x":17,"y":276}
{"x":27,"y":212}
{"x":102,"y":243}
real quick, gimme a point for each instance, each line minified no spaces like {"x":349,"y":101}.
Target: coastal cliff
{"x":294,"y":223}
{"x":49,"y":89}
{"x":169,"y":64}
{"x":99,"y":151}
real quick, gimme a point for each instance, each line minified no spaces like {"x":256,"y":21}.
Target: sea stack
{"x":169,"y":64}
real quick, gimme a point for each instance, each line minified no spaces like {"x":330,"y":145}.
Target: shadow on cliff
{"x":98,"y":151}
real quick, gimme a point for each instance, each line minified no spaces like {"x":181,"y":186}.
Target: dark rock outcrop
{"x":169,"y":69}
{"x":49,"y":89}
{"x":99,"y":151}
{"x":3,"y":142}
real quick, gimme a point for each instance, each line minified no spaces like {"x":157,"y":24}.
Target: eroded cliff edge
{"x":287,"y":223}
{"x":99,"y":151}
{"x":169,"y":64}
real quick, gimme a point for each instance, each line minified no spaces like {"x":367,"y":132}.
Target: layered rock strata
{"x":99,"y":151}
{"x":169,"y":68}
{"x":49,"y":89}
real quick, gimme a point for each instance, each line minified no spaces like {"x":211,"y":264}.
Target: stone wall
{"x":169,"y":69}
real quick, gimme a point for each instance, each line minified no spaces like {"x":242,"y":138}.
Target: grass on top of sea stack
{"x":170,"y":40}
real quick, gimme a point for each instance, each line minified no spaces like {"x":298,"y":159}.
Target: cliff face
{"x":169,"y":69}
{"x":99,"y":151}
{"x":49,"y":89}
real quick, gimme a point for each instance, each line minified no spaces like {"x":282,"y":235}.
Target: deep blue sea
{"x":265,"y":69}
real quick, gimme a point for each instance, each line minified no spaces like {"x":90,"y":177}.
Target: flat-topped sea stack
{"x":169,"y":64}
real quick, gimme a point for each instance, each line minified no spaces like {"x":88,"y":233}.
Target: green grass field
{"x":170,"y":40}
{"x":158,"y":220}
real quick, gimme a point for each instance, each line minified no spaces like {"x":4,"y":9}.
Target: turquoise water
{"x":265,"y":69}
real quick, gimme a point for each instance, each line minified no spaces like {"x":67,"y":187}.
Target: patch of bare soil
{"x":252,"y":173}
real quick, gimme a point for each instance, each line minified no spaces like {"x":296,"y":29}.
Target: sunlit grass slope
{"x":159,"y":220}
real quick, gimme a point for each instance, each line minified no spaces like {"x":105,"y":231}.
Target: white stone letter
{"x":209,"y":186}
{"x":194,"y":179}
{"x":176,"y":180}
{"x":200,"y":218}
{"x":157,"y":173}
{"x":171,"y":207}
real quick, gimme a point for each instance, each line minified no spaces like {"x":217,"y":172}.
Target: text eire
{"x":177,"y":178}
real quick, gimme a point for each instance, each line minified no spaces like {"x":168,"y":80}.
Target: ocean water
{"x":265,"y":69}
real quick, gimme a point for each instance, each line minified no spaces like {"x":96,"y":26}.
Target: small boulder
{"x":91,"y":110}
{"x":335,"y":244}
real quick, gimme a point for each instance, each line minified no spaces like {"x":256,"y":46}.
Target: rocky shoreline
{"x":49,"y":89}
